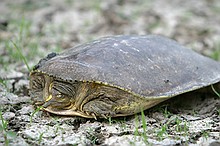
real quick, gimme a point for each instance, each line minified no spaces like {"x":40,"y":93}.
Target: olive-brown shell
{"x":149,"y":66}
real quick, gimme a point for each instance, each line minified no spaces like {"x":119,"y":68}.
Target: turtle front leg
{"x":100,"y":108}
{"x":98,"y":100}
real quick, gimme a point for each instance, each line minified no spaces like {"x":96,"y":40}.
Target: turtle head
{"x":56,"y":96}
{"x":59,"y":95}
{"x":49,"y":92}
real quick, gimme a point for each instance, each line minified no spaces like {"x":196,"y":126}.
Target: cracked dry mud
{"x":48,"y":26}
{"x":169,"y":123}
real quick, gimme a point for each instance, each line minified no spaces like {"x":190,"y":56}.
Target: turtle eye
{"x":56,"y":93}
{"x":64,"y":88}
{"x":60,"y":95}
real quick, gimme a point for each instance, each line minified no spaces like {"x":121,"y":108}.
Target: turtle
{"x":119,"y":75}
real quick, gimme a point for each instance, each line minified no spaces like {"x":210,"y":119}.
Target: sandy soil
{"x":41,"y":27}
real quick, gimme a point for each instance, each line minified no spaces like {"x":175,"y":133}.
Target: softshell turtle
{"x":118,"y":76}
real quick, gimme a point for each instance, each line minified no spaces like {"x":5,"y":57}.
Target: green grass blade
{"x":144,"y":125}
{"x":11,"y":134}
{"x":215,"y":91}
{"x":4,"y":123}
{"x":40,"y":138}
{"x":34,"y":112}
{"x":22,"y":56}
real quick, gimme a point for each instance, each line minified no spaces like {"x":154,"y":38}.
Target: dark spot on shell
{"x":166,"y":81}
{"x":36,"y":67}
{"x":42,"y":61}
{"x":51,"y":55}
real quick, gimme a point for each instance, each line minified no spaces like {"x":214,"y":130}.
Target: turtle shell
{"x":148,"y":66}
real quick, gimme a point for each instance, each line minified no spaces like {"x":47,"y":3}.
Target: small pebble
{"x":8,"y":115}
{"x":26,"y":110}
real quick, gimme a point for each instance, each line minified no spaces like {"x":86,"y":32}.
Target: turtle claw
{"x":104,"y":116}
{"x":91,"y":114}
{"x":94,"y":116}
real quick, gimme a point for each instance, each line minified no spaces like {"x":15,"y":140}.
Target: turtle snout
{"x":57,"y":102}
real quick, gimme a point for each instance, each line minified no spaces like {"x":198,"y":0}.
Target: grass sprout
{"x":40,"y":138}
{"x":34,"y":112}
{"x":215,"y":91}
{"x":4,"y":130}
{"x":162,"y":132}
{"x":21,"y":56}
{"x":144,"y":125}
{"x":216,"y":53}
{"x":3,"y":83}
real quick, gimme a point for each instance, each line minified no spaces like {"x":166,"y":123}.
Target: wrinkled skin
{"x":90,"y":100}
